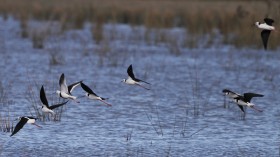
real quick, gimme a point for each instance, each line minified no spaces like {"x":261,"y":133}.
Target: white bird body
{"x":66,"y":95}
{"x":31,"y":121}
{"x":265,"y":26}
{"x":93,"y":97}
{"x":129,"y":81}
{"x":46,"y":110}
{"x":243,"y":103}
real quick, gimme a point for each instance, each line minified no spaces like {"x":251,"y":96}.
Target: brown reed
{"x":234,"y":19}
{"x":6,"y":123}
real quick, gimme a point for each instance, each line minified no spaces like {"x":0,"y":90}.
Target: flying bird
{"x":266,"y":29}
{"x":91,"y":95}
{"x":132,"y":80}
{"x":65,"y":91}
{"x":45,"y":107}
{"x":243,"y":100}
{"x":22,"y":122}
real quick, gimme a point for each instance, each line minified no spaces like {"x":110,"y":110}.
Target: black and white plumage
{"x":45,"y":107}
{"x":65,"y":91}
{"x":22,"y":122}
{"x":132,"y":80}
{"x":266,"y":29}
{"x":242,"y":100}
{"x":91,"y":95}
{"x":230,"y":93}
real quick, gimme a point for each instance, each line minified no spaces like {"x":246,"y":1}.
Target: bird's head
{"x":124,"y":80}
{"x":257,"y":23}
{"x":226,"y":91}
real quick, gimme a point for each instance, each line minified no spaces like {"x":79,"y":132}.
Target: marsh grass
{"x":6,"y":123}
{"x":233,"y":18}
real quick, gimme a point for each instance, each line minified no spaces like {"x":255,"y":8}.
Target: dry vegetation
{"x":6,"y":121}
{"x":234,"y":19}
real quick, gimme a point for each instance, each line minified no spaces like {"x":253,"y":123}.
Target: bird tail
{"x":104,"y":98}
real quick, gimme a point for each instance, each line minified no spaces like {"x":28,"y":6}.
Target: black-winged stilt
{"x":65,"y":91}
{"x":243,"y":100}
{"x":22,"y":122}
{"x":45,"y":107}
{"x":91,"y":95}
{"x":267,"y":28}
{"x":132,"y":80}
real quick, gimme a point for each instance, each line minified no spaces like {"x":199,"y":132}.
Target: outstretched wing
{"x":265,"y":34}
{"x":87,"y":89}
{"x":130,"y":72}
{"x":62,"y":84}
{"x":72,"y":86}
{"x":138,"y":80}
{"x":249,"y":96}
{"x":268,"y":21}
{"x":43,"y":97}
{"x":241,"y":107}
{"x":19,"y":125}
{"x":57,"y":105}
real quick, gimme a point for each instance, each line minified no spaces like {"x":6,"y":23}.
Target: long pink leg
{"x":256,"y":109}
{"x":75,"y":101}
{"x":36,"y":125}
{"x":105,"y":102}
{"x":142,"y":86}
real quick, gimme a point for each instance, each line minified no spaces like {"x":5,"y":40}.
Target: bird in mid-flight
{"x":266,"y":29}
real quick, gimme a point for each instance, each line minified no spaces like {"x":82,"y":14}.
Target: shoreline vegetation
{"x":234,"y":19}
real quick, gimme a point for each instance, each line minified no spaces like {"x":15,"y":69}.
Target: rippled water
{"x":183,"y":114}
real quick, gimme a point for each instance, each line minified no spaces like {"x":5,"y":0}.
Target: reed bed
{"x":6,"y":122}
{"x":234,"y":19}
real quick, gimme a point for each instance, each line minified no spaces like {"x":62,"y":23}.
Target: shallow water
{"x":182,"y":115}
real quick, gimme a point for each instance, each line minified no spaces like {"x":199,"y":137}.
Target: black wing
{"x":268,"y":21}
{"x":265,"y":34}
{"x":241,"y":107}
{"x":138,"y":80}
{"x":19,"y":125}
{"x":43,"y":97}
{"x":87,"y":89}
{"x":61,"y":79}
{"x":249,"y":96}
{"x":57,"y":105}
{"x":130,"y":72}
{"x":72,"y":86}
